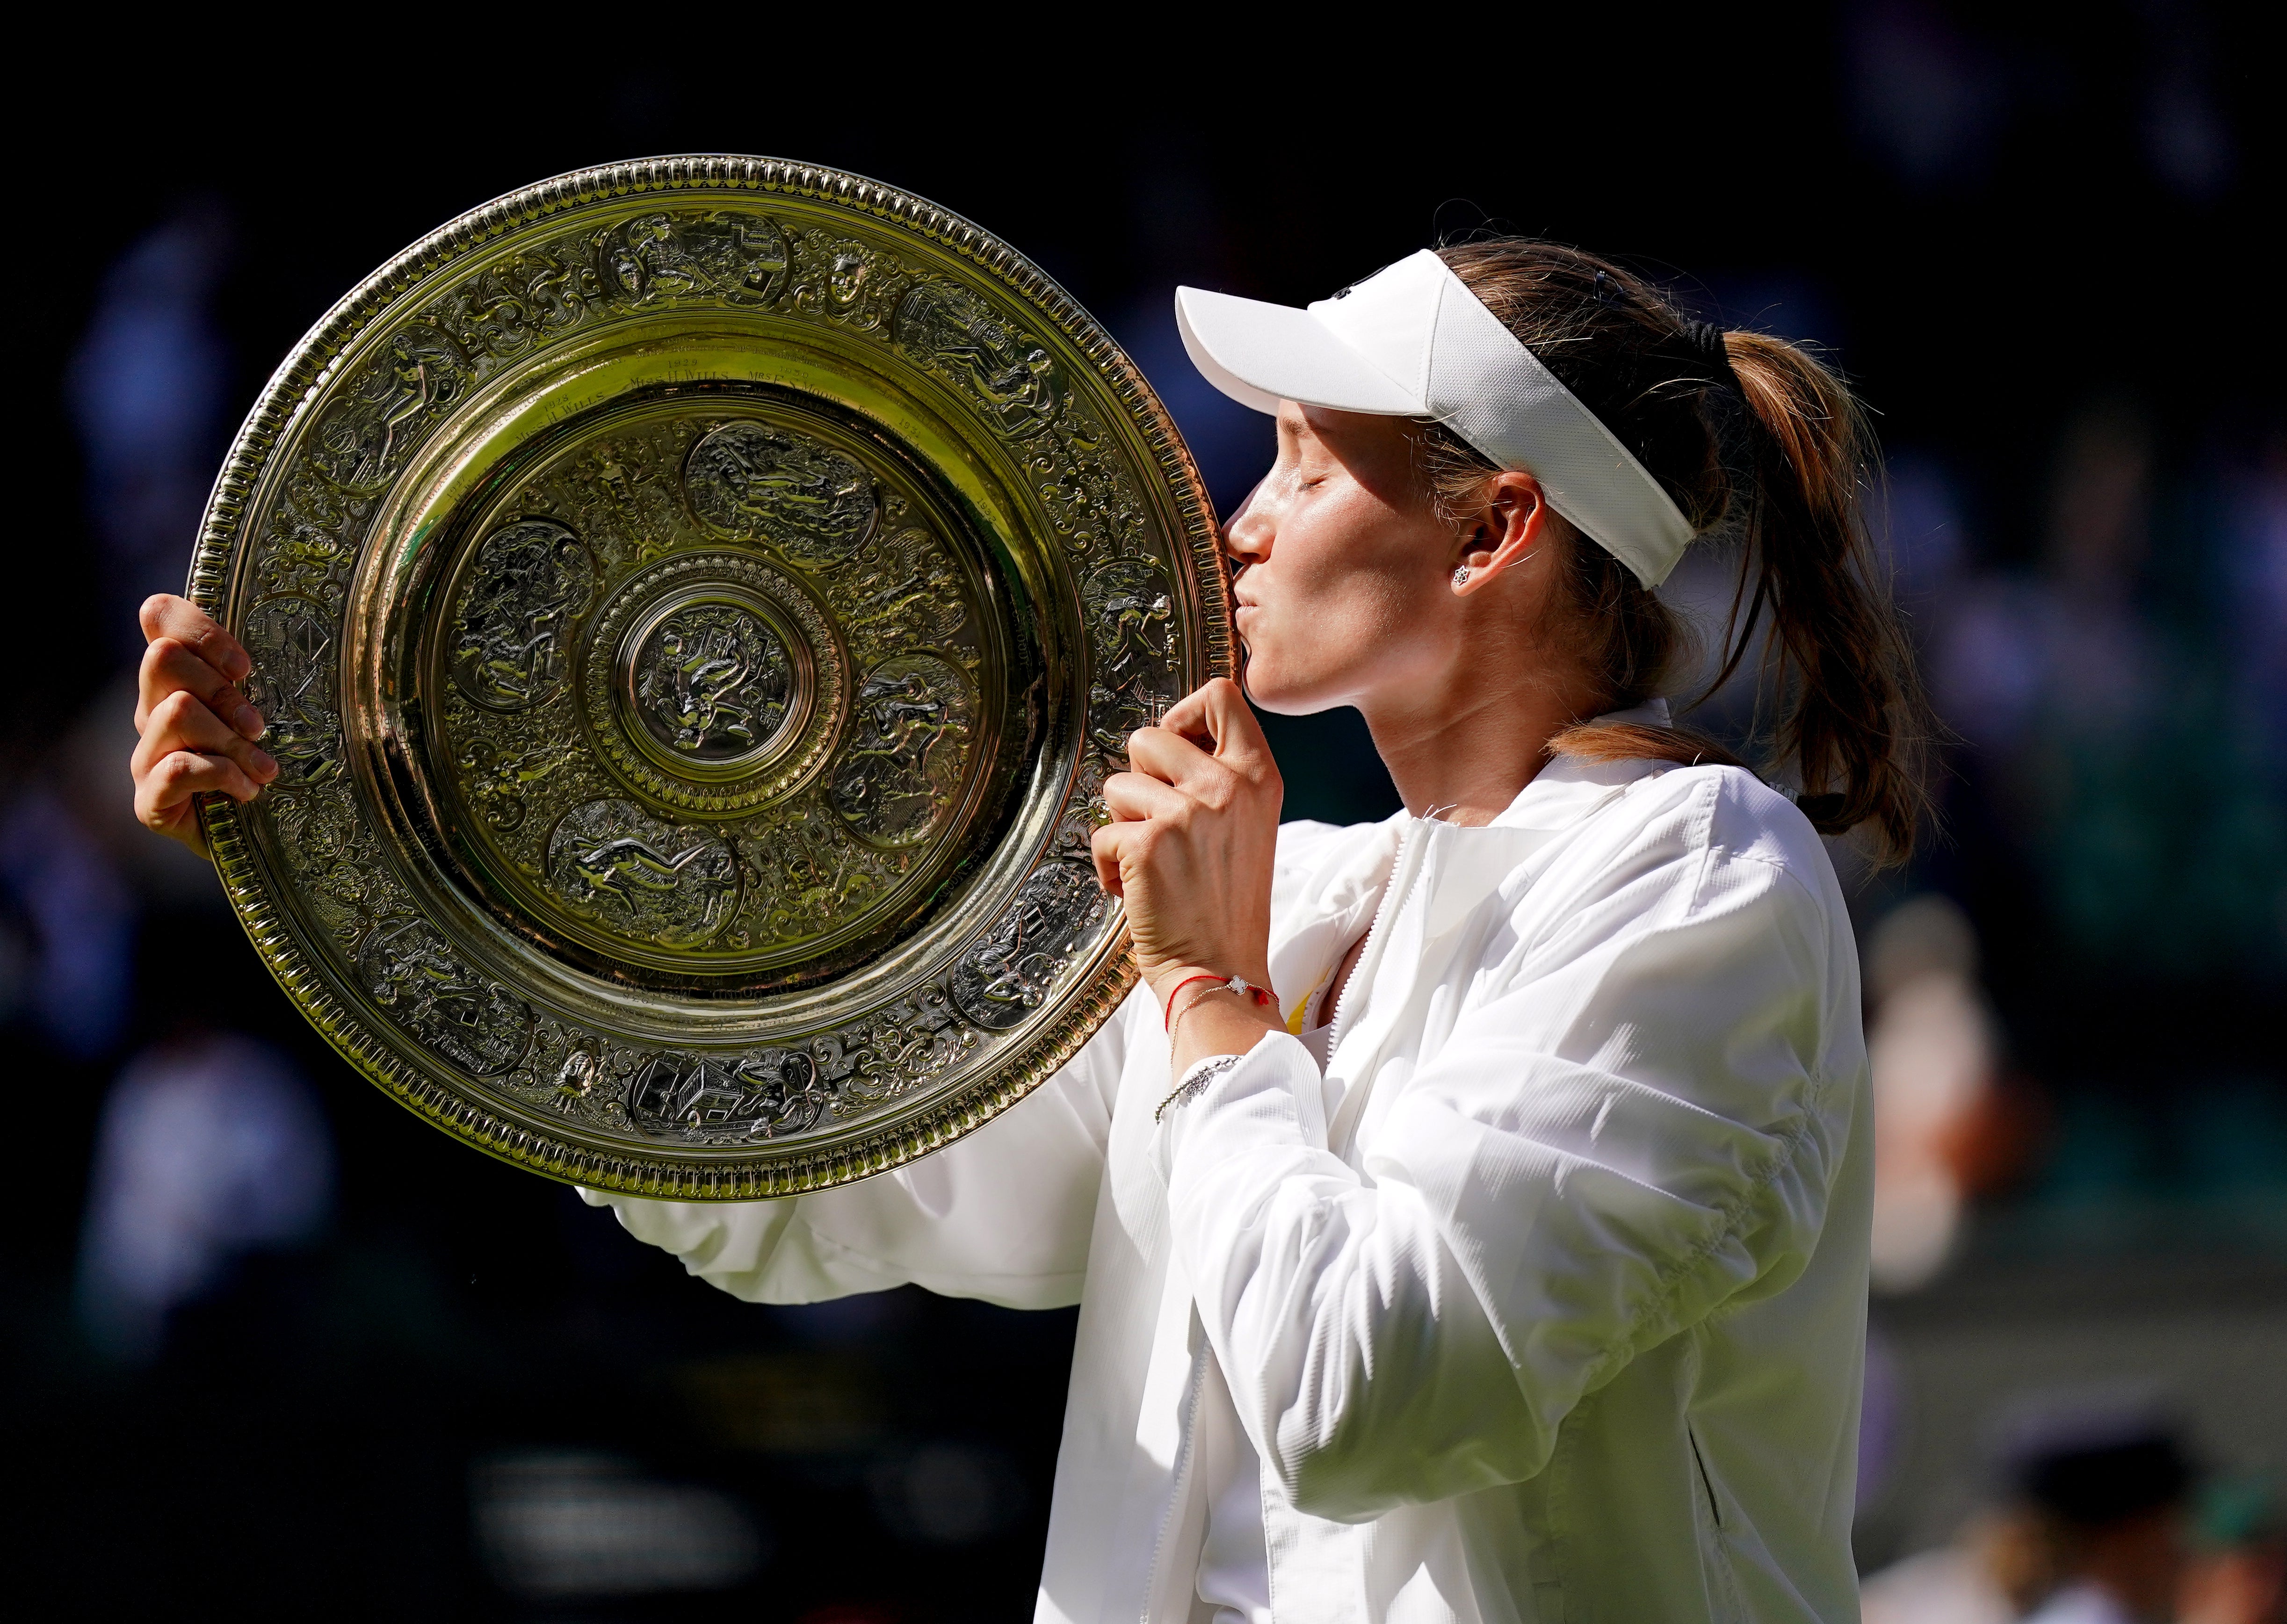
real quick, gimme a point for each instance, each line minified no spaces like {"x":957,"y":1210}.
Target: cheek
{"x":1345,"y":597}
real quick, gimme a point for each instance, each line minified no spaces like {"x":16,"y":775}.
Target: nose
{"x":1246,"y":537}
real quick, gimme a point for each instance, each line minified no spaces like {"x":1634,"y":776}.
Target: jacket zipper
{"x":1155,"y":1577}
{"x":1383,"y":910}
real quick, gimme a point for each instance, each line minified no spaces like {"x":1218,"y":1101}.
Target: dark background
{"x":2034,"y":249}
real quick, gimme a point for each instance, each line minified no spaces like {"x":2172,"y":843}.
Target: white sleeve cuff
{"x":1273,"y":1095}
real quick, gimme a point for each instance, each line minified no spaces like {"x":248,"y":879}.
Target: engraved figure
{"x":577,"y":1078}
{"x":641,"y":876}
{"x":1008,"y":973}
{"x":741,"y":257}
{"x":1010,"y":374}
{"x":496,"y":778}
{"x":760,"y":483}
{"x":907,"y":593}
{"x":292,"y":641}
{"x":532,"y":580}
{"x":814,"y":874}
{"x":625,"y":510}
{"x":843,"y":280}
{"x":419,"y":375}
{"x":307,"y":533}
{"x":713,"y":682}
{"x":411,"y":971}
{"x":715,"y":1099}
{"x":846,"y":273}
{"x":896,"y":776}
{"x":1131,"y":612}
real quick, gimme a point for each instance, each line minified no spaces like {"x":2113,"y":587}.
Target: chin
{"x":1267,"y":693}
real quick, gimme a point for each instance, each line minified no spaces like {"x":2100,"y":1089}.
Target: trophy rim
{"x":1098,"y":987}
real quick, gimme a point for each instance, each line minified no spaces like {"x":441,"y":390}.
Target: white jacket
{"x":1546,"y":1302}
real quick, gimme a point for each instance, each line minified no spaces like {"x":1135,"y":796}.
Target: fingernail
{"x":248,"y":721}
{"x":265,"y":764}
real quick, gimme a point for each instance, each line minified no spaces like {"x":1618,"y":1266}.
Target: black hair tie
{"x":1705,"y":340}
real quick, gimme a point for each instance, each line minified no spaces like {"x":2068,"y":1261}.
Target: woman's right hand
{"x":197,"y":729}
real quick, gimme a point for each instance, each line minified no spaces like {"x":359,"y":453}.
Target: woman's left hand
{"x":1195,"y":827}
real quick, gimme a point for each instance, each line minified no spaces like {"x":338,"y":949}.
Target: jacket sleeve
{"x":1003,"y":1214}
{"x":1631,"y":1135}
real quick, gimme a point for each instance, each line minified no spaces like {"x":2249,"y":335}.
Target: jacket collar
{"x":1340,"y":898}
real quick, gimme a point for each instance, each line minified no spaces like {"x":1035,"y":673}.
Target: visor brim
{"x":1260,"y":354}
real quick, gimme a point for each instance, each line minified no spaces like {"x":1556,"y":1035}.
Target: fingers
{"x":181,"y":721}
{"x":1134,"y":797}
{"x":165,"y":615}
{"x":1216,"y":715}
{"x":162,"y":796}
{"x":1105,"y":847}
{"x":170,"y":667}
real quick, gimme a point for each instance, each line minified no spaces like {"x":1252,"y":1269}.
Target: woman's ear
{"x":1507,"y":530}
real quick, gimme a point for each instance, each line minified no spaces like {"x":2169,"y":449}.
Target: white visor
{"x":1412,"y":341}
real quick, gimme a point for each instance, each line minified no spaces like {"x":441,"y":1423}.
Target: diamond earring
{"x":1461,"y":576}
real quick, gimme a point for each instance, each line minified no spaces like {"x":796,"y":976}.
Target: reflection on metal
{"x":697,"y":603}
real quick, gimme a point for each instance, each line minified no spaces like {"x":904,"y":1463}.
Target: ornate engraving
{"x":412,"y":973}
{"x":732,"y":256}
{"x":496,"y":778}
{"x":532,"y":581}
{"x":1131,"y":612}
{"x":308,"y":540}
{"x":1008,"y":975}
{"x":840,"y":280}
{"x":290,"y":640}
{"x":903,"y":766}
{"x":365,"y":440}
{"x":579,"y":1073}
{"x":612,"y":861}
{"x":720,"y":1099}
{"x":1003,"y":368}
{"x":901,"y":593}
{"x":758,"y":484}
{"x":786,"y":752}
{"x":521,"y":303}
{"x":815,"y":876}
{"x":712,"y":681}
{"x":623,"y":491}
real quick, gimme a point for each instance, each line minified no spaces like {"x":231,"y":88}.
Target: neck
{"x":1465,"y":747}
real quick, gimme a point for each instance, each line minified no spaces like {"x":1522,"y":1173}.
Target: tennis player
{"x":1469,"y":1213}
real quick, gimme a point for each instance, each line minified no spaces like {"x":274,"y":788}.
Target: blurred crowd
{"x":2073,"y":1413}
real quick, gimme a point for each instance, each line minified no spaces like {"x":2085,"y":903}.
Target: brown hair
{"x":1771,"y":450}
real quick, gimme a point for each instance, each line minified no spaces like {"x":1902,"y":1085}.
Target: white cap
{"x":1412,"y":341}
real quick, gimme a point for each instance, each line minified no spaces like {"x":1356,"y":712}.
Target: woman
{"x":1469,"y":1211}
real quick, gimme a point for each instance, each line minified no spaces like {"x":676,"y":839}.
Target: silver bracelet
{"x":1195,"y":1082}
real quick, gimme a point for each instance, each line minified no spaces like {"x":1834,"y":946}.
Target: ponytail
{"x":1852,"y":718}
{"x":1770,"y":449}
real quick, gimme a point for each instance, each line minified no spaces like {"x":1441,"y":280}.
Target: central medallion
{"x":711,"y":682}
{"x":714,"y":683}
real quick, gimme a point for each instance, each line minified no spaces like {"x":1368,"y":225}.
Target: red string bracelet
{"x":1228,"y":984}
